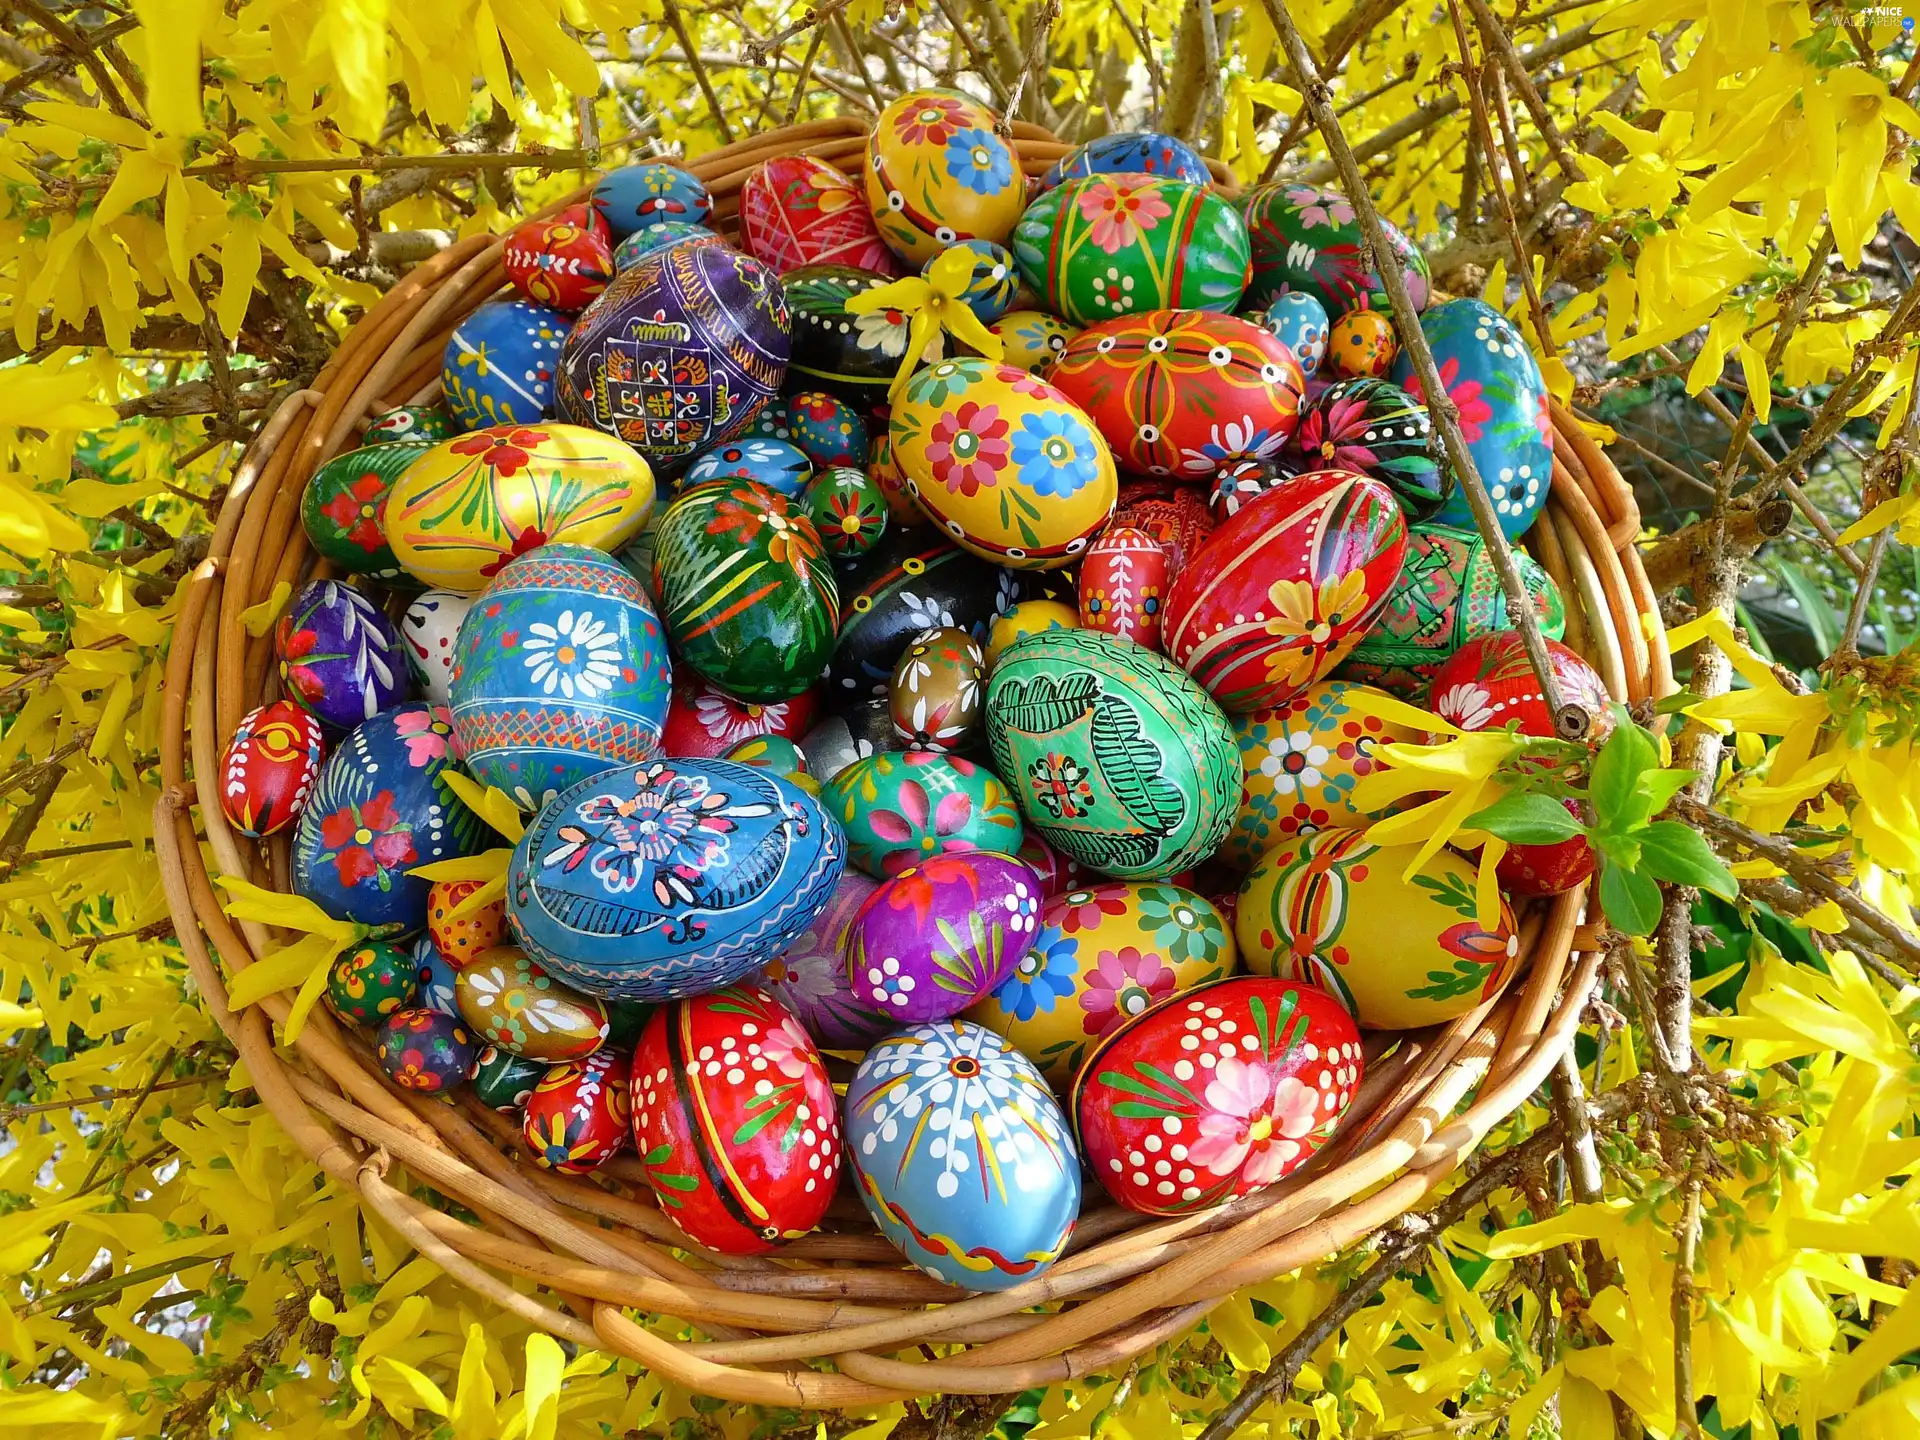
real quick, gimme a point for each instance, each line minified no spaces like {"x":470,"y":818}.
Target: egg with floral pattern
{"x":911,"y":581}
{"x":899,"y":808}
{"x":810,"y":977}
{"x":580,"y":1114}
{"x":504,"y":1081}
{"x":1374,"y":427}
{"x":510,"y":1001}
{"x":1104,"y":955}
{"x":962,"y":1155}
{"x":1130,"y":152}
{"x":1307,"y":238}
{"x":341,"y":506}
{"x":651,"y":192}
{"x":935,"y":694}
{"x":410,"y":422}
{"x":777,"y":754}
{"x":704,"y":721}
{"x":429,"y":635}
{"x":991,"y":284}
{"x":559,"y":262}
{"x":779,"y":465}
{"x":500,"y":365}
{"x":798,"y":210}
{"x":1300,"y":321}
{"x":461,"y":938}
{"x":424,"y":1050}
{"x":1362,"y":344}
{"x":366,"y":983}
{"x":268,"y":768}
{"x":1005,"y":464}
{"x":853,"y":357}
{"x":735,"y":1120}
{"x":849,"y":510}
{"x":827,"y":429}
{"x":1123,"y":585}
{"x":1032,"y":339}
{"x":938,"y":936}
{"x":1215,"y":1093}
{"x":340,"y":657}
{"x":938,"y":172}
{"x":433,"y":978}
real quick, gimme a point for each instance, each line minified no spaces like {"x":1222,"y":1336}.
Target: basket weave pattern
{"x":596,"y":1248}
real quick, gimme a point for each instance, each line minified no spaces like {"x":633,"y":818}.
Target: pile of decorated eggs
{"x":984,"y":708}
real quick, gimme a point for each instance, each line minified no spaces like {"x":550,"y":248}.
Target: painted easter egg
{"x":429,"y":637}
{"x":849,"y":510}
{"x":810,"y":977}
{"x":1130,"y":152}
{"x":463,"y":938}
{"x":1377,"y":428}
{"x":340,"y":508}
{"x":938,"y":936}
{"x":829,"y":430}
{"x":500,"y":364}
{"x":780,"y":465}
{"x":504,"y":1081}
{"x":777,"y":754}
{"x":558,"y":262}
{"x":1123,"y":585}
{"x":366,"y":983}
{"x":852,"y":356}
{"x":340,"y":657}
{"x":268,"y":768}
{"x":1362,"y":344}
{"x":990,"y":285}
{"x":935,"y":694}
{"x":655,"y":238}
{"x":652,"y":192}
{"x":859,"y":730}
{"x":1495,"y":383}
{"x":679,"y":352}
{"x":937,"y":172}
{"x":1300,"y":322}
{"x":1215,"y":1093}
{"x":1029,"y":617}
{"x":798,"y":210}
{"x":410,"y":422}
{"x":962,"y":1155}
{"x":433,"y":978}
{"x":1302,"y":759}
{"x":1489,"y":682}
{"x":1448,"y":592}
{"x":1116,"y":757}
{"x":704,"y":722}
{"x":380,"y":810}
{"x":911,"y":581}
{"x":657,"y":881}
{"x":1282,"y":591}
{"x":1005,"y":464}
{"x":735,"y":1120}
{"x":1306,"y":238}
{"x":901,"y":807}
{"x":580,"y":1115}
{"x":468,"y":506}
{"x":746,"y":589}
{"x":562,"y":672}
{"x":1241,"y":483}
{"x":508,"y":1000}
{"x":424,"y":1050}
{"x":1058,"y":873}
{"x":1109,"y":245}
{"x":774,"y":422}
{"x":625,"y":1020}
{"x":1175,"y":515}
{"x":1032,"y":339}
{"x":1183,"y":392}
{"x":1333,"y":909}
{"x":1104,"y":955}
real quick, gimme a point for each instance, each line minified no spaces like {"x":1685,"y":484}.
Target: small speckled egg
{"x":935,"y":694}
{"x":504,"y":1081}
{"x":429,"y":636}
{"x":424,"y":1050}
{"x":1363,"y":344}
{"x":1029,"y":617}
{"x":464,"y":937}
{"x":579,"y":1115}
{"x":937,"y":937}
{"x":849,"y":509}
{"x":369,"y":982}
{"x":1301,"y":322}
{"x":509,"y":1001}
{"x":828,"y":429}
{"x":810,"y":978}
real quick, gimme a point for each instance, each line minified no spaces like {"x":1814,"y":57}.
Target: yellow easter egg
{"x":937,"y":172}
{"x":1102,"y":955}
{"x":1033,"y":339}
{"x":1006,"y":464}
{"x":472,"y":503}
{"x":1029,"y":617}
{"x":1331,"y":909}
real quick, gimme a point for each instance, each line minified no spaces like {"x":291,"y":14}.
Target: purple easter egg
{"x":810,"y":976}
{"x":340,"y":657}
{"x":940,"y":935}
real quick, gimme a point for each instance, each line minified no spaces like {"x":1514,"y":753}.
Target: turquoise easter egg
{"x":500,"y":364}
{"x":652,"y":192}
{"x":902,"y":807}
{"x":779,"y":465}
{"x":1301,"y":323}
{"x":1306,"y":238}
{"x":642,"y":243}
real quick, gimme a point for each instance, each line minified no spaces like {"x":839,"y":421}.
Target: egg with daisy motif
{"x":798,"y":210}
{"x":510,"y":1001}
{"x":1032,"y":339}
{"x":1215,"y":1093}
{"x":810,"y":977}
{"x":735,"y":1120}
{"x":962,"y":1155}
{"x":854,"y":357}
{"x":1103,"y":955}
{"x":652,"y":192}
{"x":901,"y":807}
{"x":938,"y":172}
{"x":1300,"y":322}
{"x":780,"y":465}
{"x":580,"y":1114}
{"x":848,"y":508}
{"x":1377,"y":428}
{"x":500,"y":364}
{"x":938,"y":936}
{"x":935,"y":694}
{"x":827,"y":429}
{"x":704,"y":721}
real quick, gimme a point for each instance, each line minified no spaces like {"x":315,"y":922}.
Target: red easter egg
{"x":735,"y":1120}
{"x":1283,"y":590}
{"x":1123,"y":585}
{"x":1175,"y":515}
{"x":1489,"y":681}
{"x":558,"y":262}
{"x":1183,"y":392}
{"x":267,"y":768}
{"x":461,"y":940}
{"x":798,"y":210}
{"x":1215,"y":1092}
{"x":704,"y":721}
{"x":578,"y":1116}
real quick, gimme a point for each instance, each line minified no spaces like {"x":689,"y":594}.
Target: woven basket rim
{"x":596,"y":1248}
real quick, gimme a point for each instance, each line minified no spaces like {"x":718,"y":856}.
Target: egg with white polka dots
{"x":1215,"y":1093}
{"x":734,"y":1120}
{"x":962,"y":1155}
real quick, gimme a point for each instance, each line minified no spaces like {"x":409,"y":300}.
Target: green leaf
{"x":1660,"y":786}
{"x":1631,"y":900}
{"x":1527,"y":818}
{"x":1676,"y":852}
{"x":1614,"y":785}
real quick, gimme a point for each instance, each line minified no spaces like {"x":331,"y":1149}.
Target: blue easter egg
{"x":1134,"y":152}
{"x":831,"y":431}
{"x":962,"y":1155}
{"x":1301,"y":322}
{"x":435,"y":978}
{"x":500,"y":364}
{"x":989,"y":292}
{"x":777,"y":464}
{"x":774,"y":422}
{"x":561,"y":672}
{"x":674,"y":878}
{"x":642,"y":243}
{"x":653,"y":192}
{"x":1494,"y":381}
{"x":340,"y":656}
{"x":380,"y":810}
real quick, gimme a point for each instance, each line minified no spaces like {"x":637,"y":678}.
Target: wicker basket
{"x":594,"y":1249}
